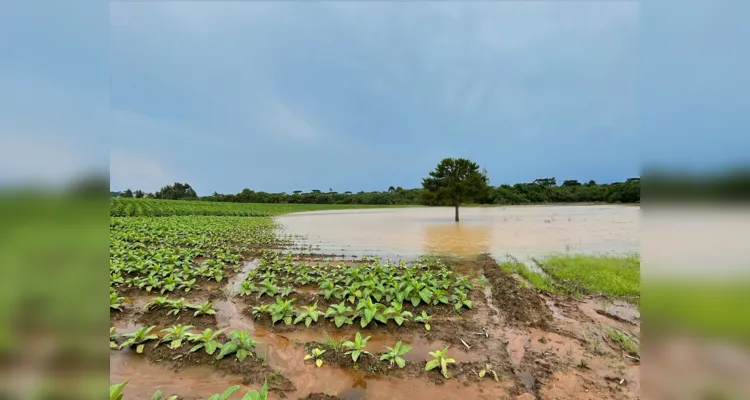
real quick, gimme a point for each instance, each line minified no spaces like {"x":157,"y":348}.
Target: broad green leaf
{"x":401,"y":362}
{"x":139,"y":349}
{"x":319,"y":362}
{"x":427,"y":326}
{"x":307,"y":357}
{"x":482,"y":373}
{"x":197,"y":347}
{"x":241,"y":354}
{"x":432,"y":364}
{"x":211,"y":347}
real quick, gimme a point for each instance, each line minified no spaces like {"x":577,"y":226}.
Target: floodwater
{"x":520,"y":231}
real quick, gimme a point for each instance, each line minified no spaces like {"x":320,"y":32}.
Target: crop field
{"x":208,"y":302}
{"x":122,"y":207}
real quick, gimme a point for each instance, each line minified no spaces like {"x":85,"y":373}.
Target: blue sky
{"x":292,"y":96}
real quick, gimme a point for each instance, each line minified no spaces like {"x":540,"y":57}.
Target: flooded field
{"x":522,"y":231}
{"x":538,"y":345}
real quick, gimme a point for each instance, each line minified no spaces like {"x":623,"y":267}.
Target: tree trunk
{"x":456,"y":204}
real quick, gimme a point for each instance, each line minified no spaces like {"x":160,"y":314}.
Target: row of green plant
{"x":240,"y":343}
{"x":376,"y":291}
{"x":141,"y":207}
{"x":367,"y":311}
{"x":393,"y":355}
{"x":176,"y":253}
{"x":116,"y":392}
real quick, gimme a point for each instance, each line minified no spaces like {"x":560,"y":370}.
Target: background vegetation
{"x":540,"y":191}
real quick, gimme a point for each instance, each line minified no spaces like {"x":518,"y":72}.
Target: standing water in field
{"x":521,"y":231}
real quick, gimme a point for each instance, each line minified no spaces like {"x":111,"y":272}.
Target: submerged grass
{"x":616,"y":277}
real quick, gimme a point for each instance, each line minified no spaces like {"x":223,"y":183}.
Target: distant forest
{"x":540,"y":191}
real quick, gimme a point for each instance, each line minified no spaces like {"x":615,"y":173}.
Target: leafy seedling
{"x":115,"y":301}
{"x":357,"y":347}
{"x":241,"y":344}
{"x":424,"y":319}
{"x":139,"y":338}
{"x":116,"y":391}
{"x":176,"y":306}
{"x":317,"y":355}
{"x":394,"y":354}
{"x":175,"y":335}
{"x":203,"y":309}
{"x":207,"y":339}
{"x":461,"y":299}
{"x":489,"y":369}
{"x":371,"y":311}
{"x":225,"y":395}
{"x":282,"y":310}
{"x":158,"y":302}
{"x":309,"y":314}
{"x":440,"y":360}
{"x":112,"y":338}
{"x":397,"y":313}
{"x":256,"y":395}
{"x":159,"y":396}
{"x":340,"y":314}
{"x":260,"y":310}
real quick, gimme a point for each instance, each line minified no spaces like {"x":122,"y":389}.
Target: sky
{"x":360,"y":96}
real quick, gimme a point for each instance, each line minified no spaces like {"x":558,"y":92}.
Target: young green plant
{"x":208,"y":340}
{"x":340,"y":314}
{"x":357,"y":347}
{"x":488,"y":368}
{"x":424,"y":319}
{"x":317,"y":355}
{"x":203,"y":309}
{"x":241,"y":344}
{"x":309,"y":314}
{"x":441,"y":360}
{"x":139,"y":338}
{"x":175,"y":335}
{"x":394,"y":354}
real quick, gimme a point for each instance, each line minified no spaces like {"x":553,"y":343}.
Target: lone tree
{"x":456,"y":180}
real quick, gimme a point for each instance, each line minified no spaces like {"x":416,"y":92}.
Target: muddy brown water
{"x":522,"y":231}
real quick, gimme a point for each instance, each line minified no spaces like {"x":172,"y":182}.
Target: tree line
{"x":540,"y":191}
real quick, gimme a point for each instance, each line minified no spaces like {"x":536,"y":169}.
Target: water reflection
{"x":522,"y":231}
{"x":462,"y":239}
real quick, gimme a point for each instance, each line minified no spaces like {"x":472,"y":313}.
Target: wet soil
{"x":542,"y":346}
{"x":319,"y":396}
{"x":518,"y":305}
{"x":251,"y":369}
{"x":160,"y":318}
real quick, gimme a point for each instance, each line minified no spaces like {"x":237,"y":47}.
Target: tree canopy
{"x":176,"y":191}
{"x":456,"y":180}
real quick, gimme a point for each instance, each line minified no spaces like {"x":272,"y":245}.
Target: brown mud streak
{"x":518,"y":305}
{"x":160,"y":318}
{"x":252,"y":370}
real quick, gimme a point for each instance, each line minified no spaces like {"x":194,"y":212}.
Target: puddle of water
{"x":145,"y":378}
{"x":234,"y":285}
{"x":518,"y":230}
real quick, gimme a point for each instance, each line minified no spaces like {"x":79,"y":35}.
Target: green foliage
{"x":394,"y":354}
{"x":256,"y":395}
{"x":357,"y":347}
{"x":225,"y":395}
{"x":115,"y":301}
{"x":371,"y":311}
{"x":242,"y":345}
{"x":625,"y":341}
{"x":340,"y":314}
{"x":113,"y":338}
{"x":461,"y":299}
{"x":488,"y":368}
{"x":175,"y":306}
{"x":424,"y":319}
{"x":203,"y":309}
{"x":397,"y":313}
{"x":440,"y":359}
{"x":456,"y":180}
{"x":116,"y":391}
{"x":317,"y":355}
{"x":159,"y":396}
{"x":175,"y":335}
{"x":282,"y":310}
{"x":309,"y":314}
{"x":139,"y":338}
{"x":208,"y":339}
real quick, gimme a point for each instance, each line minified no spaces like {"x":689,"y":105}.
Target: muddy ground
{"x":541,"y":346}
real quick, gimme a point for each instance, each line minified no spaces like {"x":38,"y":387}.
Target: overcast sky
{"x":361,"y":96}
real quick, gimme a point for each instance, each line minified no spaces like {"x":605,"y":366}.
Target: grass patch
{"x":535,"y":279}
{"x":711,"y":308}
{"x":613,"y":276}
